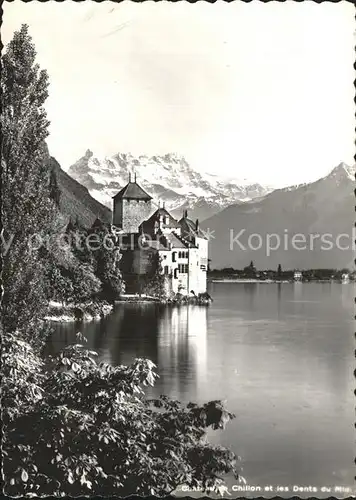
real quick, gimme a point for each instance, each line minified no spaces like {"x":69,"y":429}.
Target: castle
{"x":149,"y":235}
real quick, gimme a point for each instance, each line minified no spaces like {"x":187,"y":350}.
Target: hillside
{"x":319,"y":208}
{"x":75,"y":200}
{"x":167,"y":178}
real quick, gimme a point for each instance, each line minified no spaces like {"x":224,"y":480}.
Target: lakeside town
{"x":279,"y":275}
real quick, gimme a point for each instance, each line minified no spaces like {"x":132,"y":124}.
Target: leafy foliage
{"x":69,"y":278}
{"x":154,"y":280}
{"x":93,"y":431}
{"x":76,"y":283}
{"x":106,"y":262}
{"x":97,"y":252}
{"x":33,"y":274}
{"x":54,"y":191}
{"x":27,"y":209}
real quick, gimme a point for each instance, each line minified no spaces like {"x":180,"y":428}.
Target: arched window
{"x":174,"y":255}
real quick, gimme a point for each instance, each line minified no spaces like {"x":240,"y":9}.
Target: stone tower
{"x":132,"y":206}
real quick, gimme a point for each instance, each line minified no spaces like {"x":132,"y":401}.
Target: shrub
{"x":93,"y":430}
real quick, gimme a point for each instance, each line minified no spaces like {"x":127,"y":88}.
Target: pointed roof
{"x":159,"y":213}
{"x":189,"y":228}
{"x":132,"y":191}
{"x":179,"y":242}
{"x":98,"y":223}
{"x":170,"y":241}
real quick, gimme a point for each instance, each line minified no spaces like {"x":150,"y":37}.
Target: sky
{"x":254,"y":91}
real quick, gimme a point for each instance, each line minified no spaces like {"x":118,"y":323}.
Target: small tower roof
{"x":190,"y":228}
{"x":132,"y":191}
{"x":163,"y":212}
{"x":153,"y":221}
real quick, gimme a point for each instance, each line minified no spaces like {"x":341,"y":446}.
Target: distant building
{"x":298,"y":276}
{"x":345,"y":278}
{"x":180,"y":246}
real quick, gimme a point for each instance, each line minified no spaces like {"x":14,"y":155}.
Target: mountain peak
{"x":343,"y":171}
{"x":166,"y":176}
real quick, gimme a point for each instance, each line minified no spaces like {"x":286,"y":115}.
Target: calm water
{"x":280,"y":355}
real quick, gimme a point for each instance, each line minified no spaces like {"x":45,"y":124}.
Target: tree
{"x":73,"y":284}
{"x":106,"y":260}
{"x":94,"y":432}
{"x":54,"y":191}
{"x":27,"y":208}
{"x":155,"y":280}
{"x":279,"y":271}
{"x":85,"y":284}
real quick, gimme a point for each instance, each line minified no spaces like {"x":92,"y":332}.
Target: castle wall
{"x":117,"y":213}
{"x":134,"y":213}
{"x":142,"y":261}
{"x":198,"y":265}
{"x":203,"y":265}
{"x":129,"y":214}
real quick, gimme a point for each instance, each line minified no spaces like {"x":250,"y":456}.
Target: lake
{"x":280,"y":355}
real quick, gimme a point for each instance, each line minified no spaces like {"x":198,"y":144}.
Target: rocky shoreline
{"x":87,"y":311}
{"x":177,"y":299}
{"x":93,"y":311}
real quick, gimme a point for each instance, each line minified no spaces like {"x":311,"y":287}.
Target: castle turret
{"x":132,"y":205}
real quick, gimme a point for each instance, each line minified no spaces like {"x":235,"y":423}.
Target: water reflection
{"x":182,"y":350}
{"x":280,"y":354}
{"x":250,"y":290}
{"x":279,"y":296}
{"x":175,"y":339}
{"x":134,"y":334}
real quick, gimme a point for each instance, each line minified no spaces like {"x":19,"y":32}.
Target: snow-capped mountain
{"x":167,"y":178}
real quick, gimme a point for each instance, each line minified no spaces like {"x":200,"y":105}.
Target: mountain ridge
{"x":325,"y":206}
{"x":75,"y":202}
{"x":169,"y":178}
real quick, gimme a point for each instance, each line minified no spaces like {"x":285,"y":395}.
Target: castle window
{"x":174,"y":255}
{"x":176,"y":274}
{"x":167,"y":220}
{"x":183,"y":268}
{"x":166,"y":270}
